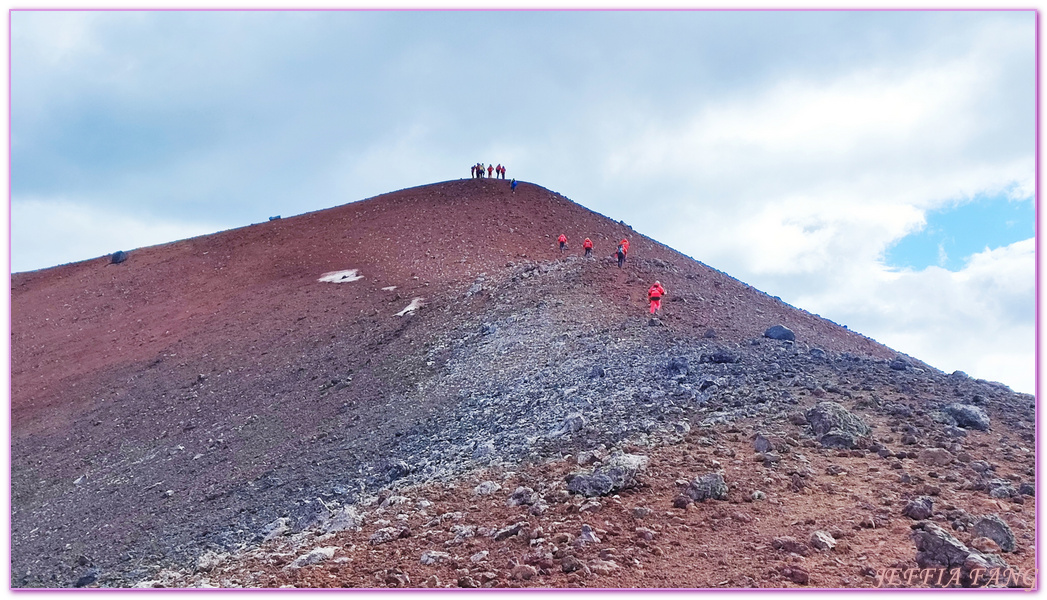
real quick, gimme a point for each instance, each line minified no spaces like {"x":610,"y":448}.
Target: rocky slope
{"x":210,"y":413}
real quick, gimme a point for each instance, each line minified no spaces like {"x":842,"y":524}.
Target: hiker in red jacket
{"x":623,"y":249}
{"x":490,"y":171}
{"x":654,"y":294}
{"x":563,"y":242}
{"x":588,"y":246}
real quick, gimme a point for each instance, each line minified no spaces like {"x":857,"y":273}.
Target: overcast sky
{"x":876,"y":168}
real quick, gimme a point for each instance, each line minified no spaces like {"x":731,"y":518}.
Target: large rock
{"x":835,"y":426}
{"x":919,"y":508}
{"x":707,"y":486}
{"x":935,"y":457}
{"x":994,"y":528}
{"x":617,"y":473}
{"x":780,"y":332}
{"x":572,"y":423}
{"x":345,"y":519}
{"x":936,"y":549}
{"x":968,"y":416}
{"x":522,"y":496}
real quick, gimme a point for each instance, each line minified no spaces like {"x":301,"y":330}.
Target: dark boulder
{"x":919,"y":508}
{"x":968,"y":416}
{"x":780,"y":332}
{"x":707,"y":486}
{"x":835,"y":426}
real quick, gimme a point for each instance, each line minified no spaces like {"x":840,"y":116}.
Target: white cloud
{"x":979,"y":320}
{"x":51,"y":232}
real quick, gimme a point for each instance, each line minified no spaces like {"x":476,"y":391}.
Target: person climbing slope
{"x":654,"y":294}
{"x":563,"y":242}
{"x":588,"y":246}
{"x":623,"y":249}
{"x":512,"y":186}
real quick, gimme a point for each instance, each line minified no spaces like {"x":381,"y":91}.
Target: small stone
{"x":790,"y":544}
{"x":316,"y":556}
{"x":522,"y":496}
{"x":938,"y":457}
{"x":588,"y":535}
{"x":796,"y":574}
{"x":822,"y":540}
{"x":479,"y":557}
{"x":434,"y":557}
{"x":523,"y":572}
{"x":486,"y":488}
{"x":570,"y":564}
{"x":602,"y":567}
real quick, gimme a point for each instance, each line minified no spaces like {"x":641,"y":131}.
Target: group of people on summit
{"x":478,"y":171}
{"x":654,"y":293}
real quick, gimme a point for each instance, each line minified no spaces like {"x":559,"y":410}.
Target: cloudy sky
{"x":876,"y":168}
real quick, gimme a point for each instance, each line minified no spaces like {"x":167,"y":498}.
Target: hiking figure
{"x":654,"y":294}
{"x":623,"y":249}
{"x":588,"y":246}
{"x":563,"y":242}
{"x":472,"y":172}
{"x":503,"y":173}
{"x":512,"y":186}
{"x":490,"y":170}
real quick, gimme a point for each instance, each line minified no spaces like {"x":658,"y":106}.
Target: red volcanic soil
{"x":183,"y":400}
{"x":257,"y":284}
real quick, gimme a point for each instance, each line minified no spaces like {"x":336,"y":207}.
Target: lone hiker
{"x":654,"y":294}
{"x":512,"y":186}
{"x":588,"y":246}
{"x":623,"y":249}
{"x":563,"y":242}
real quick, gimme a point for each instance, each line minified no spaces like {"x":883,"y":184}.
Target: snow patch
{"x":389,"y":289}
{"x":340,"y":276}
{"x":415,"y":304}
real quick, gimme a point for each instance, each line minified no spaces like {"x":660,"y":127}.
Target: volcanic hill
{"x":419,"y":389}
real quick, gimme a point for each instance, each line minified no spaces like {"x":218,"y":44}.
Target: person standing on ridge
{"x":654,"y":294}
{"x":563,"y":242}
{"x":472,"y":172}
{"x":503,"y":173}
{"x":490,"y":170}
{"x":588,"y":246}
{"x":623,"y":249}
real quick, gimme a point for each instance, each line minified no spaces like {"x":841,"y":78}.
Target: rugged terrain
{"x":210,"y":413}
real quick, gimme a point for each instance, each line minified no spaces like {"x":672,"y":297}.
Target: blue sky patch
{"x":953,"y":234}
